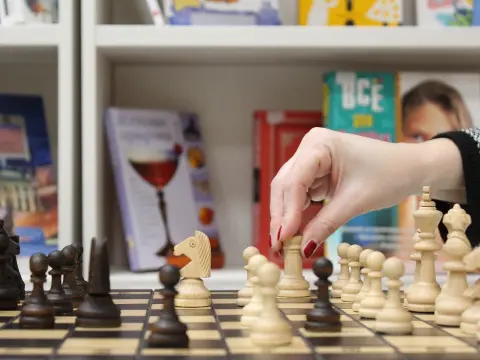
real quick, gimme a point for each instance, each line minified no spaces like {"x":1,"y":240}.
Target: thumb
{"x":332,"y":216}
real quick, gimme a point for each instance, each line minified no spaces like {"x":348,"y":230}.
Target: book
{"x":150,"y":12}
{"x":277,"y":135}
{"x":350,"y":12}
{"x":28,"y":185}
{"x":14,"y":12}
{"x":162,"y":184}
{"x":446,"y":13}
{"x":222,"y":12}
{"x":396,"y":107}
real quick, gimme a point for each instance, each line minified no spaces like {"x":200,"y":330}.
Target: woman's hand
{"x":355,"y":175}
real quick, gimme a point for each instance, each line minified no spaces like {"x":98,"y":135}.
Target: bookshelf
{"x":43,"y":60}
{"x":224,"y":74}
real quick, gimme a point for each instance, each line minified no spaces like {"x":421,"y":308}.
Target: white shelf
{"x":407,"y":46}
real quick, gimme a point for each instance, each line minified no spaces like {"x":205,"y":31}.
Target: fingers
{"x":333,"y":215}
{"x":303,"y":172}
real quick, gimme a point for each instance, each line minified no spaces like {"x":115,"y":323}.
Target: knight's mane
{"x":204,"y":253}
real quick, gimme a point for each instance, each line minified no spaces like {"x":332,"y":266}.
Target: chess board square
{"x":431,"y":344}
{"x":189,"y":319}
{"x":194,"y":312}
{"x":425,"y":317}
{"x":236,"y":311}
{"x":273,"y":356}
{"x":132,"y":319}
{"x":133,"y":306}
{"x":230,"y":333}
{"x":58,"y":326}
{"x":345,"y":331}
{"x":98,"y":346}
{"x":131,"y":296}
{"x":306,"y":306}
{"x":229,"y":318}
{"x":26,"y":351}
{"x":123,"y":301}
{"x":223,"y":300}
{"x":123,"y":327}
{"x":224,"y":295}
{"x":202,"y":326}
{"x":197,"y":353}
{"x":343,"y":305}
{"x":288,"y":300}
{"x":243,"y":345}
{"x":26,"y":342}
{"x":231,"y":325}
{"x":358,"y":341}
{"x":356,"y":352}
{"x":133,"y":312}
{"x":93,"y":357}
{"x":226,"y":306}
{"x":19,"y":334}
{"x":107,"y":334}
{"x":295,"y":311}
{"x":199,"y":335}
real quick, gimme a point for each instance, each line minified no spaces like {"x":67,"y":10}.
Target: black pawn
{"x":9,"y":294}
{"x":70,"y":287}
{"x":168,"y":330}
{"x":323,"y":317}
{"x":19,"y":281}
{"x":61,"y":302}
{"x":80,"y":281}
{"x":39,"y":312}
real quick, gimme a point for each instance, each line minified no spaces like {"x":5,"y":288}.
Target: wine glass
{"x":158,"y":168}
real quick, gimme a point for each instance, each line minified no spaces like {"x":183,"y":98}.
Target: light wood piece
{"x":375,"y":298}
{"x":366,"y":279}
{"x":293,"y":284}
{"x":344,"y":275}
{"x":354,"y":285}
{"x":245,"y":294}
{"x":251,"y":312}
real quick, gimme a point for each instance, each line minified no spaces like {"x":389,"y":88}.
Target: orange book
{"x":277,"y":135}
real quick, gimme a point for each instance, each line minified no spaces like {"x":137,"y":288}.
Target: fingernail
{"x":279,"y":232}
{"x":309,"y":249}
{"x":270,"y":241}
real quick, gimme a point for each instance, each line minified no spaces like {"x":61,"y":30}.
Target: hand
{"x":355,"y":175}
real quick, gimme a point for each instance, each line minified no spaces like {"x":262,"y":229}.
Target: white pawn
{"x":394,"y":319}
{"x":366,"y":279}
{"x":245,"y":294}
{"x":271,"y":329}
{"x":253,"y":309}
{"x":354,"y":285}
{"x":374,"y":299}
{"x":344,"y":275}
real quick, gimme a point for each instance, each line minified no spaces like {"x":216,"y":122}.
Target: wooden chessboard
{"x":215,"y":333}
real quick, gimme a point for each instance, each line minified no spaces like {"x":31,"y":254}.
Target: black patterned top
{"x":468,"y":142}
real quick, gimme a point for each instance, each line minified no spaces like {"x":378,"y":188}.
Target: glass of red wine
{"x":158,"y":168}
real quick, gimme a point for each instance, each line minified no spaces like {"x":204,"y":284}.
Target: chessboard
{"x":216,"y":332}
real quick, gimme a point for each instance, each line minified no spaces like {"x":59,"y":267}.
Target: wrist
{"x":440,"y":167}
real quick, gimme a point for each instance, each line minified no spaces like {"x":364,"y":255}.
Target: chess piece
{"x":192,"y":292}
{"x":323,"y":317}
{"x":394,"y":319}
{"x":98,"y":309}
{"x":79,"y":280}
{"x":168,"y":330}
{"x":344,"y":275}
{"x":271,"y":329}
{"x":70,"y":287}
{"x":252,"y":310}
{"x":416,"y":256}
{"x":19,"y":281}
{"x":471,"y":316}
{"x":366,"y":279}
{"x":293,"y":284}
{"x":38,"y":313}
{"x":422,"y":295}
{"x":452,"y":302}
{"x":62,"y":303}
{"x":9,"y":294}
{"x":374,"y":299}
{"x":245,"y":294}
{"x":354,"y":284}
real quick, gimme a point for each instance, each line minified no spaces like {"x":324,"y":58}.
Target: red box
{"x":277,"y":135}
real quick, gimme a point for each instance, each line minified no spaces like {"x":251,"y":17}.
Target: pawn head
{"x":70,"y":252}
{"x":342,"y":250}
{"x":393,"y":268}
{"x":255,"y":262}
{"x":169,"y":275}
{"x":323,"y":268}
{"x":249,"y":252}
{"x":56,"y":259}
{"x":353,"y":252}
{"x":364,"y":255}
{"x":38,"y":264}
{"x":269,"y":274}
{"x":375,"y":261}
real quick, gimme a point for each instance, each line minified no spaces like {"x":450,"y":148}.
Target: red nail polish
{"x":279,"y":232}
{"x":310,"y":249}
{"x":270,"y":241}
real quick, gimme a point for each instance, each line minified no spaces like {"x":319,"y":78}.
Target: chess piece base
{"x":272,"y":338}
{"x":348,"y":297}
{"x":62,"y":305}
{"x":192,"y":293}
{"x":160,"y":340}
{"x":336,"y":293}
{"x":37,"y":322}
{"x":323,"y":319}
{"x":421,"y":308}
{"x":294,"y":300}
{"x":323,"y":327}
{"x":468,"y":328}
{"x":421,"y":297}
{"x":392,"y":328}
{"x":192,"y":303}
{"x":242,"y":301}
{"x":369,"y":313}
{"x":290,"y":293}
{"x":98,"y":311}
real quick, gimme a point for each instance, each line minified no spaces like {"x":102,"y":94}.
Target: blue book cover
{"x":28,"y":189}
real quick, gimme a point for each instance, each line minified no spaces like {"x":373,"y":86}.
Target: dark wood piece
{"x":168,"y":330}
{"x":98,"y":309}
{"x":39,"y":312}
{"x":62,"y":303}
{"x":70,"y":287}
{"x":323,"y":317}
{"x":80,"y":281}
{"x":9,"y":294}
{"x":14,"y":264}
